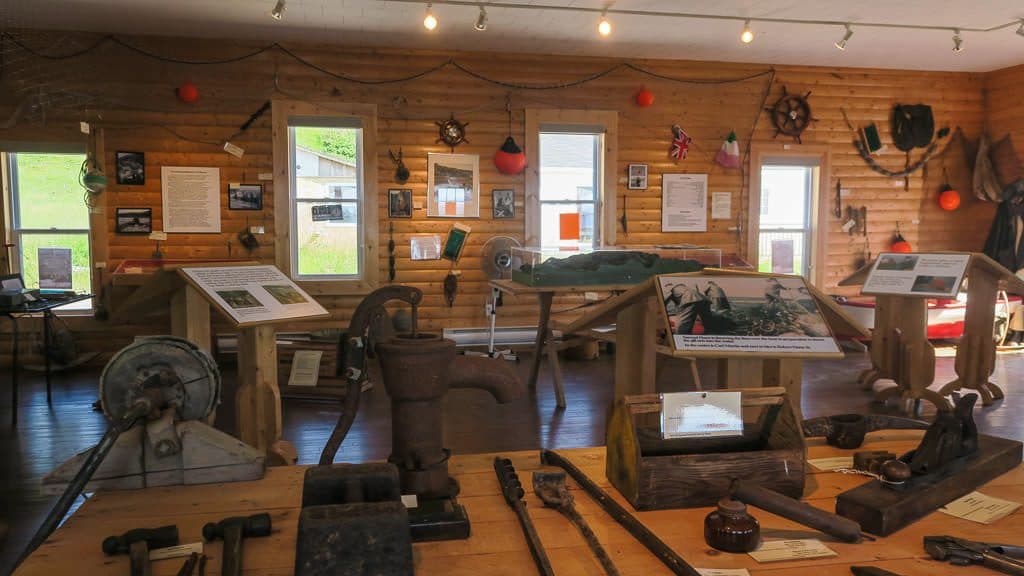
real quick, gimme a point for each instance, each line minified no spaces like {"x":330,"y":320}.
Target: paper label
{"x":701,"y":414}
{"x":235,"y":151}
{"x":265,"y":176}
{"x":176,"y":551}
{"x":158,"y":236}
{"x":409,"y":500}
{"x":721,"y":208}
{"x":831,"y":464}
{"x":980,"y":508}
{"x":84,"y":127}
{"x":779,"y":550}
{"x":723,"y":572}
{"x":305,"y":368}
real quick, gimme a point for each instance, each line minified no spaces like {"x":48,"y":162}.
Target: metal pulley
{"x":183,"y":376}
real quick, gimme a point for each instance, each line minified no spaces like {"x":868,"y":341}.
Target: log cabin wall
{"x":131,"y":97}
{"x":1004,"y":104}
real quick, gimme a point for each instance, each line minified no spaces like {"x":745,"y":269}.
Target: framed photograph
{"x":453,"y":185}
{"x":399,"y":203}
{"x":131,"y":168}
{"x":134,"y":220}
{"x":245,"y":196}
{"x":638,"y":176}
{"x":503,"y":203}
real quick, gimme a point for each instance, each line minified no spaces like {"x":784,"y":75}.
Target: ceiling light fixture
{"x":1020,"y":31}
{"x":747,"y":36}
{"x":429,"y":21}
{"x":481,"y":20}
{"x":958,"y":42}
{"x":604,"y":27}
{"x":278,"y":12}
{"x":846,"y":38}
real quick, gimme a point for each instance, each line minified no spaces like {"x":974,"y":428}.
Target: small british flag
{"x":680,"y":144}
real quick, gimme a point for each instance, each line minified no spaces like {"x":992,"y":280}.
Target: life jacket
{"x":912,"y":126}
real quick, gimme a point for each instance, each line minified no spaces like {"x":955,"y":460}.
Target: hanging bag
{"x":912,"y":126}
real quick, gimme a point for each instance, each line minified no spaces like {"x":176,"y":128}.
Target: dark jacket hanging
{"x":1005,"y":243}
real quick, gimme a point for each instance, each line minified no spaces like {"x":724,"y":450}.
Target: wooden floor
{"x":47,"y":435}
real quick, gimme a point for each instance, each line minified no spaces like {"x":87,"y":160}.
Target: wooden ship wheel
{"x":791,"y":114}
{"x":452,"y":132}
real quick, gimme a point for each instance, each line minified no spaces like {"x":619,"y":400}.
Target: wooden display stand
{"x":900,"y":350}
{"x":638,"y":321}
{"x":654,"y":473}
{"x":258,"y":400}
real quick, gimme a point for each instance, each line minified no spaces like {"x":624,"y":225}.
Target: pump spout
{"x":495,"y":376}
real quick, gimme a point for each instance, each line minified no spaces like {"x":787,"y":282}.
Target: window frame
{"x":9,"y":213}
{"x":284,"y":201}
{"x":605,"y":196}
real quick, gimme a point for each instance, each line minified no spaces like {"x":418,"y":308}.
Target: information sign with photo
{"x":934,"y":275}
{"x":453,"y":185}
{"x":254,"y":294}
{"x":762,"y":314}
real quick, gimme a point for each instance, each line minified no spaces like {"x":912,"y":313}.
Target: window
{"x":570,"y":167}
{"x":49,"y":221}
{"x":325,"y":209}
{"x":570,"y":198}
{"x":327,"y":236}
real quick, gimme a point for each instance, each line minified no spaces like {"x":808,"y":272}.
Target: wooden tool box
{"x":654,"y":473}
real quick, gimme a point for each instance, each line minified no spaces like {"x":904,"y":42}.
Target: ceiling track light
{"x":481,"y":20}
{"x":958,"y":42}
{"x":747,"y":36}
{"x":278,"y":12}
{"x":429,"y":20}
{"x":604,"y":27}
{"x":1020,"y":31}
{"x":846,"y":38}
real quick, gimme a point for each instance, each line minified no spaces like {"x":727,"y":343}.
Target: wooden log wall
{"x":1004,"y":105}
{"x":132,"y":98}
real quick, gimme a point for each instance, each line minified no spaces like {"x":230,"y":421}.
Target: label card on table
{"x":701,"y":414}
{"x":723,"y":572}
{"x":980,"y":508}
{"x":831,"y":464}
{"x":780,"y":550}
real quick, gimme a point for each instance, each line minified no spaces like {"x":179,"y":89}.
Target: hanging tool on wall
{"x":837,"y":210}
{"x":624,"y":219}
{"x":551,"y":489}
{"x":391,"y":252}
{"x":642,"y":533}
{"x":864,"y":221}
{"x":512,"y":490}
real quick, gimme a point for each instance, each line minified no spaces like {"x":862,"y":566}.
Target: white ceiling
{"x":540,"y":30}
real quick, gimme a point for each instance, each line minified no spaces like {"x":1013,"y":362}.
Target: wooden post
{"x":739,"y":372}
{"x":976,"y":354}
{"x":543,"y":332}
{"x":887,"y":310}
{"x":635,"y":352}
{"x":786,"y":373}
{"x":190,"y":317}
{"x":258,"y":402}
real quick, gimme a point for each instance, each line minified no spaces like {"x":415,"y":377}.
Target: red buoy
{"x":510,"y":159}
{"x":188,"y":93}
{"x":644,"y":98}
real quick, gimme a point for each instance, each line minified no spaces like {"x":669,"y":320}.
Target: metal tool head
{"x":252,"y":526}
{"x":955,"y":550}
{"x":161,"y":537}
{"x":179,"y":374}
{"x":550,"y":487}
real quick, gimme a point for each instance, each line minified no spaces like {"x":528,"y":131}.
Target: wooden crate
{"x":654,"y":473}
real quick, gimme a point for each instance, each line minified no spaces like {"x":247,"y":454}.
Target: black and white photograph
{"x":239,"y":298}
{"x":935,"y":284}
{"x":134,"y":220}
{"x":131,"y":168}
{"x":245,"y":196}
{"x":755,"y":311}
{"x":638,"y":177}
{"x":902,"y":262}
{"x":503,"y":203}
{"x":399,"y":203}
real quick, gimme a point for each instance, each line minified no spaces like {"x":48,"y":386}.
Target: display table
{"x":497,"y":545}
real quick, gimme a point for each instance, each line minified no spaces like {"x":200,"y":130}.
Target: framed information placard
{"x":752,"y":315}
{"x":934,"y":275}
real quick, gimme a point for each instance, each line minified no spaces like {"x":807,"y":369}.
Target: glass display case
{"x":559,"y":267}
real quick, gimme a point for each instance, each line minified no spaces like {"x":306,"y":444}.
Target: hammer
{"x":232,"y":530}
{"x":136,"y":543}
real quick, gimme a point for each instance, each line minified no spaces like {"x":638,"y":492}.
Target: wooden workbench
{"x":497,"y":545}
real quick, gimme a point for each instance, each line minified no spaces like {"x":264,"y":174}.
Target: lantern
{"x":949,"y":199}
{"x":188,"y":93}
{"x":644,"y":98}
{"x":510,"y":159}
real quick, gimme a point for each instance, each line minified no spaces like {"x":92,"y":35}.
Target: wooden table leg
{"x":258,"y":402}
{"x":787,"y":373}
{"x":190,"y":317}
{"x":556,"y":372}
{"x":635,"y":352}
{"x":544,"y":299}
